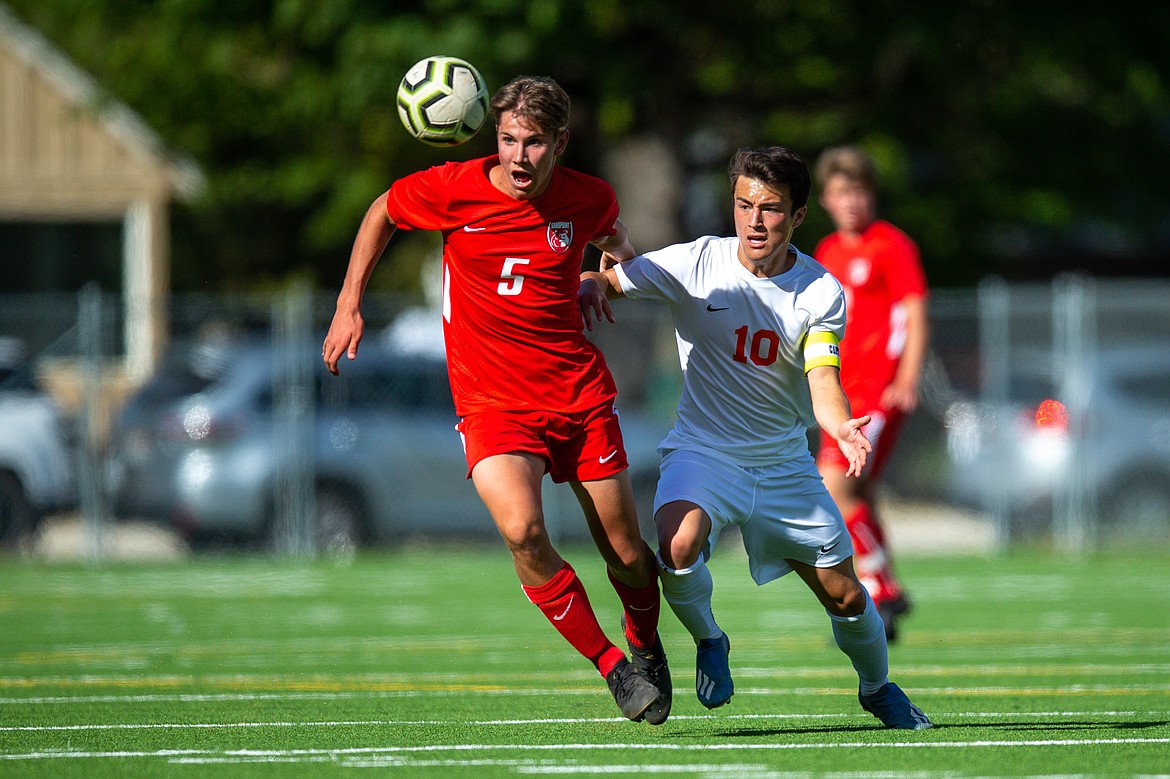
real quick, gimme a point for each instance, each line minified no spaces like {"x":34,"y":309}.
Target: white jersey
{"x":745,"y":345}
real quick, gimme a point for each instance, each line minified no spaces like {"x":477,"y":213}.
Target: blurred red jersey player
{"x":882,"y":354}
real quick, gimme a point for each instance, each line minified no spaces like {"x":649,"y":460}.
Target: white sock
{"x":863,"y":639}
{"x":688,"y":591}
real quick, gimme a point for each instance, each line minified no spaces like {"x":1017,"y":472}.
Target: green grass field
{"x":430,"y":662}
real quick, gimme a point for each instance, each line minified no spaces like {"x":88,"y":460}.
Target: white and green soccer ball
{"x":442,"y":101}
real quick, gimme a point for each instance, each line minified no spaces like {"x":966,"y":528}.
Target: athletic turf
{"x":430,"y":662}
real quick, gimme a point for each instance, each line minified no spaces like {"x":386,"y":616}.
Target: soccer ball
{"x":442,"y":101}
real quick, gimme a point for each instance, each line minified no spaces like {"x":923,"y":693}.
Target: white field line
{"x":497,"y":678}
{"x":966,"y":715}
{"x":458,"y":690}
{"x":284,"y":755}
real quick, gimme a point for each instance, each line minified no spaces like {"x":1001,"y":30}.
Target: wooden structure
{"x":70,"y":153}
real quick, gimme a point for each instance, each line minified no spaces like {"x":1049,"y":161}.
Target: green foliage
{"x":1012,"y":138}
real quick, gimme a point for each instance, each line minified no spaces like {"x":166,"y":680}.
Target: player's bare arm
{"x":831,"y":407}
{"x":345,"y":331}
{"x":615,"y":248}
{"x":902,"y":393}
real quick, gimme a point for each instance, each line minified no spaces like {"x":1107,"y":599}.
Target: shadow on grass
{"x":1046,"y":725}
{"x":750,"y":732}
{"x":1061,"y":726}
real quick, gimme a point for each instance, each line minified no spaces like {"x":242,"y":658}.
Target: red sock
{"x":563,"y":600}
{"x":870,"y":556}
{"x":641,"y":607}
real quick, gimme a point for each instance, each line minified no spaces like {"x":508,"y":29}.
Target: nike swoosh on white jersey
{"x":608,"y":457}
{"x":568,"y":606}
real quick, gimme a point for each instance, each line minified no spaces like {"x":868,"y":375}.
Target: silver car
{"x":37,"y":458}
{"x":146,"y":440}
{"x":378,"y":443}
{"x":1106,"y":438}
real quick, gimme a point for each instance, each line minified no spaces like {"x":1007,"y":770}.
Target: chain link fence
{"x":1045,"y":412}
{"x":1046,"y":408}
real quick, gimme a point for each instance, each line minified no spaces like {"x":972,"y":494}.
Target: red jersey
{"x":879,"y":272}
{"x":511,"y":270}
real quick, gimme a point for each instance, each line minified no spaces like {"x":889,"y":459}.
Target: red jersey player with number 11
{"x":534,"y":395}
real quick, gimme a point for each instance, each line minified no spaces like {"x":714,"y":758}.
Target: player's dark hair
{"x":850,"y":162}
{"x":777,"y":168}
{"x":538,"y":100}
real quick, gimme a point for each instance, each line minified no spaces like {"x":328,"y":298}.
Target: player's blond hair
{"x":848,"y":161}
{"x":539,"y":100}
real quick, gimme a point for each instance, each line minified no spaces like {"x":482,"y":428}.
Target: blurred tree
{"x":1012,"y":138}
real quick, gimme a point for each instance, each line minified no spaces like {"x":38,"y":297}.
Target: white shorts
{"x":783,"y":511}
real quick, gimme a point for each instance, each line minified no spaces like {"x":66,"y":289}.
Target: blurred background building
{"x":84,"y":181}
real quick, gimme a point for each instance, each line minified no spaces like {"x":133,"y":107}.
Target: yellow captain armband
{"x":820,"y":348}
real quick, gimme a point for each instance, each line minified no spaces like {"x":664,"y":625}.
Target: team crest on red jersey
{"x":560,"y":236}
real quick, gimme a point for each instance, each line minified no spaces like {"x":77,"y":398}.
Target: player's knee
{"x":680,"y":551}
{"x":850,"y":602}
{"x":635,"y":558}
{"x":525,"y":539}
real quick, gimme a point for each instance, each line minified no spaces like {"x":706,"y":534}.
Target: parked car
{"x":380,"y":448}
{"x":1117,"y":450}
{"x":36,"y":455}
{"x":143,"y":450}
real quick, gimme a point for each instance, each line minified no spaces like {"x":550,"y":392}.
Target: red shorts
{"x":882,"y":432}
{"x":579,"y":446}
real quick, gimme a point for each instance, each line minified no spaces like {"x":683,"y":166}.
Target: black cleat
{"x":632,"y":692}
{"x":651,"y":664}
{"x":890,"y":612}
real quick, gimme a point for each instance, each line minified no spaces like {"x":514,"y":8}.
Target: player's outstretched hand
{"x":345,"y":333}
{"x":854,"y":445}
{"x":592,"y":301}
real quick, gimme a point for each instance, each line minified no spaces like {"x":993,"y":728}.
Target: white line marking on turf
{"x":205,"y":725}
{"x":1058,"y":690}
{"x":546,"y":720}
{"x":284,"y":755}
